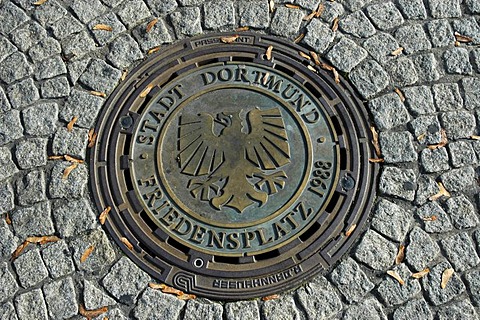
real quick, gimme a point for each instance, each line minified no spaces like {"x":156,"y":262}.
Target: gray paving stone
{"x":473,"y":6}
{"x":445,"y":8}
{"x":28,"y":35}
{"x":199,"y":310}
{"x":468,"y":27}
{"x":45,"y":48}
{"x":472,"y":93}
{"x":31,"y":305}
{"x":421,"y":250}
{"x":462,"y":153}
{"x":6,"y":48}
{"x":61,"y":298}
{"x":186,"y":22}
{"x":412,"y":38}
{"x":459,"y":124}
{"x":8,"y":285}
{"x":90,"y":105}
{"x":426,"y":129}
{"x":393,"y":293}
{"x":55,"y":88}
{"x":22,"y":93}
{"x":73,"y":217}
{"x":156,"y":305}
{"x":134,"y":281}
{"x":283,"y":308}
{"x":162,"y":7}
{"x":30,"y":268}
{"x":385,"y":15}
{"x":6,"y":196}
{"x":4,"y":103}
{"x":375,"y":251}
{"x":49,"y":13}
{"x":220,"y":14}
{"x":102,"y":36}
{"x":116,"y":314}
{"x":318,"y":299}
{"x":7,"y":167}
{"x":132,"y":12}
{"x":11,"y":17}
{"x":441,"y":33}
{"x":357,"y":24}
{"x":318,"y":36}
{"x":462,"y":212}
{"x":427,"y":187}
{"x":369,"y":309}
{"x":40,"y":120}
{"x":73,"y":142}
{"x":7,"y":312}
{"x":426,"y":66}
{"x":354,"y":5}
{"x":397,"y":147}
{"x":186,"y":3}
{"x":388,"y":111}
{"x":31,"y":189}
{"x":369,"y":78}
{"x":286,"y":22}
{"x":33,"y":221}
{"x":124,"y":51}
{"x":398,"y":182}
{"x":100,"y":76}
{"x":457,"y":61}
{"x":102,"y":255}
{"x":71,"y":187}
{"x":49,"y":68}
{"x":413,"y":310}
{"x":380,"y":47}
{"x":460,"y":251}
{"x":88,"y":10}
{"x":346,"y":55}
{"x":447,"y":96}
{"x":473,"y":283}
{"x":351,"y":281}
{"x":58,"y":259}
{"x":8,"y":241}
{"x":76,"y":69}
{"x":254,"y":14}
{"x":112,"y":3}
{"x":412,"y":9}
{"x":440,"y":224}
{"x":461,"y":310}
{"x":242,"y":310}
{"x":94,"y":297}
{"x":391,"y":220}
{"x":402,"y":72}
{"x":332,"y":9}
{"x":66,"y":26}
{"x":158,"y":35}
{"x":15,"y":67}
{"x":431,"y":285}
{"x":434,"y":160}
{"x":77,"y":45}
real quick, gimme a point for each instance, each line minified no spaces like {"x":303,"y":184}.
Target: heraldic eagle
{"x":233,"y":162}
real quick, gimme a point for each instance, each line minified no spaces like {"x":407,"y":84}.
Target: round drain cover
{"x":234,"y":169}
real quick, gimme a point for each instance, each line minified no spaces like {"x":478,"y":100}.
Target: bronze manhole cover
{"x":233,"y":175}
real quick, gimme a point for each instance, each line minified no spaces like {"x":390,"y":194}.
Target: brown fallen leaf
{"x":98,"y":94}
{"x":376,"y":160}
{"x":56,"y":157}
{"x":292,"y":6}
{"x":443,"y":141}
{"x":304,"y":55}
{"x":229,"y":39}
{"x":400,"y":94}
{"x":475,"y":137}
{"x":335,"y":24}
{"x":421,"y":274}
{"x":7,"y":218}
{"x":86,"y":254}
{"x":150,"y":25}
{"x":271,"y":297}
{"x":442,"y":192}
{"x":400,"y":254}
{"x":309,"y":16}
{"x":124,"y":75}
{"x":309,"y":67}
{"x":375,"y":143}
{"x":156,"y":286}
{"x":146,"y":91}
{"x":462,"y":38}
{"x":299,"y":38}
{"x":71,"y":123}
{"x":241,"y":29}
{"x":167,"y":289}
{"x":271,"y":5}
{"x":103,"y":216}
{"x":19,"y":250}
{"x":72,"y":159}
{"x":39,"y":2}
{"x":396,"y":276}
{"x":350,"y":230}
{"x":320,"y":10}
{"x":90,"y":314}
{"x":153,"y":50}
{"x":430,"y":218}
{"x":446,"y":275}
{"x":92,"y":137}
{"x":69,"y":170}
{"x":43,"y":239}
{"x":326,"y":66}
{"x":265,"y":78}
{"x":187,"y":296}
{"x":315,"y":57}
{"x":268,"y":53}
{"x":422,"y":136}
{"x":336,"y":76}
{"x":103,"y":27}
{"x":127,"y":243}
{"x":396,"y":52}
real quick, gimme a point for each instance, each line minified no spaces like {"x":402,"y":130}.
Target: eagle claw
{"x":202,"y":190}
{"x":272,"y":182}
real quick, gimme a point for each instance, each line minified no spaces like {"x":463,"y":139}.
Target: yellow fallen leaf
{"x":98,"y":94}
{"x":69,"y":170}
{"x":292,"y":6}
{"x":421,"y":274}
{"x":39,"y":2}
{"x":376,"y":144}
{"x":103,"y":216}
{"x":127,"y":243}
{"x":241,"y":29}
{"x":86,"y":254}
{"x":299,"y":38}
{"x":396,"y":276}
{"x":153,"y":50}
{"x":376,"y":160}
{"x":268,"y":53}
{"x":72,"y":159}
{"x":103,"y":27}
{"x":396,"y":52}
{"x":441,"y":193}
{"x":146,"y":91}
{"x":229,"y":39}
{"x":71,"y":124}
{"x":400,"y":94}
{"x":350,"y":230}
{"x":462,"y":38}
{"x":335,"y":24}
{"x":315,"y":57}
{"x":304,"y":55}
{"x":446,"y":275}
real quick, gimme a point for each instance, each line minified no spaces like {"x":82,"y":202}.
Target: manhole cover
{"x":233,"y":173}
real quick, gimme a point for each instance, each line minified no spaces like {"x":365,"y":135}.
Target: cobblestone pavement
{"x":51,"y":58}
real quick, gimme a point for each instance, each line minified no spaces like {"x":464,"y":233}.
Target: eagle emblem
{"x":233,"y":162}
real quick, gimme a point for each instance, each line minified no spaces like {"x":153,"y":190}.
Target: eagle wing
{"x":199,"y":148}
{"x":267,"y":144}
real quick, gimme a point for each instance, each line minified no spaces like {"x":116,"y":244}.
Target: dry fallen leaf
{"x":124,"y":75}
{"x":56,"y":157}
{"x":271,"y":5}
{"x":43,"y":239}
{"x":157,"y":286}
{"x":375,"y":142}
{"x":19,"y":250}
{"x":336,"y":76}
{"x":430,"y":218}
{"x":400,"y":94}
{"x":326,"y":66}
{"x":446,"y":275}
{"x":7,"y":218}
{"x":72,"y":159}
{"x":456,"y":44}
{"x":146,"y":91}
{"x":309,"y":67}
{"x":376,"y":160}
{"x":151,"y":24}
{"x":396,"y":276}
{"x":309,"y":16}
{"x":229,"y":39}
{"x":104,"y":214}
{"x":71,"y":123}
{"x":421,"y":274}
{"x":268,"y":53}
{"x":350,"y":230}
{"x":271,"y":297}
{"x":292,"y":6}
{"x":304,"y":55}
{"x":475,"y":137}
{"x":86,"y":254}
{"x":153,"y":50}
{"x":443,"y":141}
{"x":335,"y":24}
{"x":461,"y":38}
{"x":241,"y":29}
{"x":187,"y":296}
{"x":127,"y":243}
{"x":39,"y":2}
{"x":92,"y":137}
{"x":396,"y":52}
{"x":315,"y":57}
{"x":299,"y":38}
{"x":90,"y":314}
{"x":422,"y":136}
{"x":103,"y":27}
{"x":442,"y":192}
{"x":400,"y":255}
{"x":69,"y":170}
{"x":98,"y":94}
{"x":320,"y":10}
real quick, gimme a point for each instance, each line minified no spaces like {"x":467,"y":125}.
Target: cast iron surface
{"x":233,"y":175}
